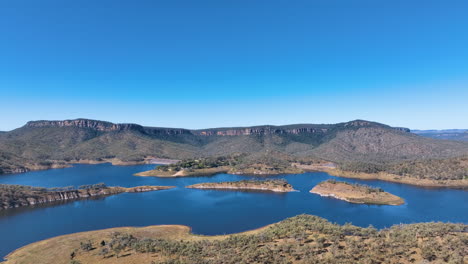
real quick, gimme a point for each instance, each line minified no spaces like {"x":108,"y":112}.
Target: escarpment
{"x":104,"y":126}
{"x":356,"y":146}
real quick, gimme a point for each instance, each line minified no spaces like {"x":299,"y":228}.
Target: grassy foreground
{"x":300,"y":239}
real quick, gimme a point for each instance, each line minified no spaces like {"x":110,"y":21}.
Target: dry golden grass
{"x":301,"y":239}
{"x":463,"y":184}
{"x":57,"y":250}
{"x":356,"y":194}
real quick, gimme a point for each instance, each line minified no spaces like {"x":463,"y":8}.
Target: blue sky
{"x":199,"y":64}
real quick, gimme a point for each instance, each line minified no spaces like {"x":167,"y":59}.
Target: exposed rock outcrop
{"x":240,"y":131}
{"x":107,"y":126}
{"x":12,"y":196}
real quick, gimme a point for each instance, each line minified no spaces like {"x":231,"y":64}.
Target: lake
{"x":208,"y":212}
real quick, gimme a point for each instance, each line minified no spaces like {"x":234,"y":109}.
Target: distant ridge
{"x":222,"y":131}
{"x":448,"y":134}
{"x":44,"y":144}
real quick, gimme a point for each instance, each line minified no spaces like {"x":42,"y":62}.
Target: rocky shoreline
{"x":13,"y":196}
{"x":382,"y":176}
{"x":60,"y":164}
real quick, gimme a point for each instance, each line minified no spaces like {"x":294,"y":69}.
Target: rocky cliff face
{"x":17,"y":196}
{"x":107,"y":126}
{"x":267,"y":130}
{"x":85,"y":123}
{"x":241,"y":131}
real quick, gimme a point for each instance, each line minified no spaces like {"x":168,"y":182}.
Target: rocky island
{"x":247,"y":185}
{"x":12,"y":196}
{"x":356,"y":193}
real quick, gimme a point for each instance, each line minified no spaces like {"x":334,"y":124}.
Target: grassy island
{"x":12,"y":196}
{"x":356,"y":193}
{"x":265,"y":185}
{"x":300,"y":239}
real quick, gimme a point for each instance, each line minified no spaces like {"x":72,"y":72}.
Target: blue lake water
{"x":208,"y":212}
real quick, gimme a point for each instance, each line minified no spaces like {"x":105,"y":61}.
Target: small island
{"x":356,"y":193}
{"x":247,"y":185}
{"x":12,"y":196}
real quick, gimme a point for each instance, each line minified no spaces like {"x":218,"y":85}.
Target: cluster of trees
{"x":369,"y":189}
{"x":272,"y":161}
{"x":93,"y":186}
{"x":307,"y":239}
{"x":274,"y":182}
{"x":201,"y":163}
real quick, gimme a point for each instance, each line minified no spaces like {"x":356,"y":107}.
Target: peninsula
{"x":300,"y":239}
{"x":356,"y":193}
{"x":247,"y":185}
{"x":12,"y":196}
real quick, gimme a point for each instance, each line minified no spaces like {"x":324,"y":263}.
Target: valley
{"x":353,"y":147}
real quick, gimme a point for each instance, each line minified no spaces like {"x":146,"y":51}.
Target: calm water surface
{"x":207,"y":212}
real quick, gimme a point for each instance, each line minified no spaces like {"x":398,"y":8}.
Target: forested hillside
{"x":357,"y":144}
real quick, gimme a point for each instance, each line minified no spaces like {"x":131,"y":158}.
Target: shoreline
{"x":382,"y":176}
{"x":183,"y":173}
{"x":68,"y":164}
{"x":62,"y":248}
{"x":216,"y":170}
{"x":32,"y":196}
{"x":329,"y":168}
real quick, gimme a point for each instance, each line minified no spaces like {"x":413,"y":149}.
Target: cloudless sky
{"x":199,"y":64}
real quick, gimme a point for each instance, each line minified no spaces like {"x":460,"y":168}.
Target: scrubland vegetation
{"x":301,"y":239}
{"x":436,"y":169}
{"x":201,"y":163}
{"x":356,"y":193}
{"x":263,"y":185}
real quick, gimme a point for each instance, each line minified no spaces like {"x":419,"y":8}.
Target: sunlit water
{"x":208,"y":212}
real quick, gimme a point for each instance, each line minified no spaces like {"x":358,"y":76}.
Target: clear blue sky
{"x":200,"y":63}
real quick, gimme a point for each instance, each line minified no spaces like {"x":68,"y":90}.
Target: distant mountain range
{"x":42,"y":144}
{"x":450,"y":134}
